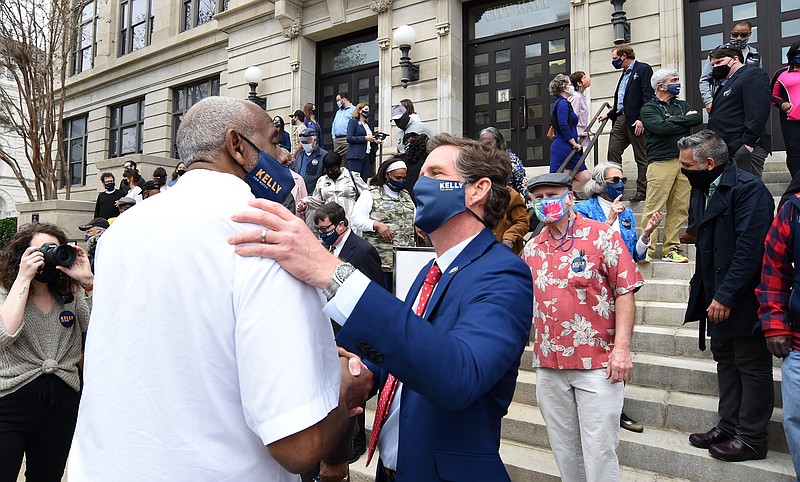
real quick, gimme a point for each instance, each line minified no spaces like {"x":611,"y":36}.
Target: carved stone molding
{"x":384,"y":43}
{"x":294,"y":29}
{"x":295,"y":65}
{"x":380,"y":6}
{"x":443,"y":29}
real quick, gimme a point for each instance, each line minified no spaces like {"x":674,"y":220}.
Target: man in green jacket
{"x":666,"y":119}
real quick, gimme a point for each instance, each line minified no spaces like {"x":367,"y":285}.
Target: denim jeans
{"x":790,"y":369}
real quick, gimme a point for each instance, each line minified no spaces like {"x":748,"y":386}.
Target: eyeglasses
{"x":325,"y":229}
{"x":739,"y":35}
{"x":617,"y":180}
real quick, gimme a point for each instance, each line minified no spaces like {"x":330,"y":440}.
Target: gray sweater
{"x":44,"y":343}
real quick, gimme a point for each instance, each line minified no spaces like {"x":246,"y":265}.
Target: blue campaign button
{"x":67,"y":318}
{"x":578,"y":264}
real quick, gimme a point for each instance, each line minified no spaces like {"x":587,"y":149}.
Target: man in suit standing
{"x":308,"y":163}
{"x":453,"y":347}
{"x":633,"y":90}
{"x":740,"y":109}
{"x":734,"y":212}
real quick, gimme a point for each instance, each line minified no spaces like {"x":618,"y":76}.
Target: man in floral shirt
{"x":583,"y":313}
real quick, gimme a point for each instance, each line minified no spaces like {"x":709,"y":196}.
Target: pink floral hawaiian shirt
{"x":575,"y":283}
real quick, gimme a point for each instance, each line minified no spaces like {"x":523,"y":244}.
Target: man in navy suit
{"x":633,"y":90}
{"x":455,"y":364}
{"x":740,"y":109}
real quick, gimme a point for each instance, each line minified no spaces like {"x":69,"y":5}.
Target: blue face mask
{"x":365,"y":113}
{"x":339,"y":104}
{"x":437,"y":201}
{"x":308,"y":148}
{"x":109,"y":186}
{"x":394,"y":185}
{"x":269,"y":179}
{"x":615,"y":189}
{"x":674,"y":89}
{"x":86,"y":238}
{"x":617,"y":63}
{"x":796,"y":59}
{"x":329,"y":238}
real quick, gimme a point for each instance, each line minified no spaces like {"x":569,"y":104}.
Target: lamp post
{"x":622,"y":28}
{"x":404,"y":37}
{"x":253,"y":76}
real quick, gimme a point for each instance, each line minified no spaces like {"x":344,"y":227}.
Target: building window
{"x":85,"y":39}
{"x":136,"y":25}
{"x":183,"y":98}
{"x":127,"y":129}
{"x":74,"y":145}
{"x":198,"y":12}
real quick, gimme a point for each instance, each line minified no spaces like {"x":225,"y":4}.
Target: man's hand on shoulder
{"x":779,"y":345}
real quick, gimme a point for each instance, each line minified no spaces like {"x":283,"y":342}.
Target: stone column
{"x":384,"y":10}
{"x":673,"y":54}
{"x":450,"y":68}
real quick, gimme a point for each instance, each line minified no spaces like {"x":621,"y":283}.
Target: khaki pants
{"x":622,"y":136}
{"x":667,"y":187}
{"x":340,"y":146}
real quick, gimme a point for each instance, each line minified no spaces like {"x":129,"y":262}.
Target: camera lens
{"x":58,"y":255}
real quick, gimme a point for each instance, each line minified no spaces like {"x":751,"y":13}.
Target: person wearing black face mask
{"x":338,"y":185}
{"x":734,"y":211}
{"x":180,"y":170}
{"x":740,"y":36}
{"x":43,"y":316}
{"x":105,"y":206}
{"x":361,"y":143}
{"x":740,"y":109}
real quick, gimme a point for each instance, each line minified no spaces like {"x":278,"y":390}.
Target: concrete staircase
{"x":673,"y":391}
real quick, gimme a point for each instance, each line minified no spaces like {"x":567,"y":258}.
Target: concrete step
{"x":670,"y":290}
{"x":696,"y":376}
{"x":669,"y":340}
{"x":656,"y":407}
{"x":659,"y":450}
{"x":663,"y":270}
{"x":662,"y":313}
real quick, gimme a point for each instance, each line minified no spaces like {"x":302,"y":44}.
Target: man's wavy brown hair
{"x":12,"y":254}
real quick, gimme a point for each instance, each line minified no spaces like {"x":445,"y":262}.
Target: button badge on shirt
{"x":579,"y":263}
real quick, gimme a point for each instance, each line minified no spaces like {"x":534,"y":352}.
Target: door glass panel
{"x":506,"y":133}
{"x":343,"y":87}
{"x":482,"y":79}
{"x":557,"y":46}
{"x":533,"y":90}
{"x":787,"y":5}
{"x":348,"y":54}
{"x":503,"y":75}
{"x":533,"y":50}
{"x":363,"y":84}
{"x":534,"y":132}
{"x":744,"y":11}
{"x":482,"y":60}
{"x":482,"y":118}
{"x":481,"y":98}
{"x":499,"y":17}
{"x":363,"y":98}
{"x":534,"y":110}
{"x":711,"y":17}
{"x":558,"y":67}
{"x":534,"y":153}
{"x":502,"y":115}
{"x":753,"y":35}
{"x":790,"y":28}
{"x":533,"y":71}
{"x":328,"y":90}
{"x":710,"y":41}
{"x":502,"y":56}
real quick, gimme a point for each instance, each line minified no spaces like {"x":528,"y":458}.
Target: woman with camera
{"x":361,"y":143}
{"x":43,"y":314}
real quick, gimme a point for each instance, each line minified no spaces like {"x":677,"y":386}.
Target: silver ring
{"x":263,"y":236}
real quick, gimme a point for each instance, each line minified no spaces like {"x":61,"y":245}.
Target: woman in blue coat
{"x":361,"y":144}
{"x":565,"y":129}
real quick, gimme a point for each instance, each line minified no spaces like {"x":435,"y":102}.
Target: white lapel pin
{"x":455,"y":268}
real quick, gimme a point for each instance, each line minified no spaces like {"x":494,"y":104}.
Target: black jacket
{"x":363,"y":256}
{"x":637,"y":92}
{"x":314,"y":171}
{"x":740,"y":109}
{"x":730,"y":246}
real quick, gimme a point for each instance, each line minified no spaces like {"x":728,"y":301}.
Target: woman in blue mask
{"x":565,"y":130}
{"x":605,"y":193}
{"x":43,"y":315}
{"x":285,"y":140}
{"x":361,"y":144}
{"x":385,"y":213}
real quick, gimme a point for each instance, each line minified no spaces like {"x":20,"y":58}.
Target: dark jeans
{"x":746,"y":394}
{"x":37,"y":420}
{"x":791,"y":137}
{"x":619,"y":139}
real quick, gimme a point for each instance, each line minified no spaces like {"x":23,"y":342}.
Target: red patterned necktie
{"x":390,"y":387}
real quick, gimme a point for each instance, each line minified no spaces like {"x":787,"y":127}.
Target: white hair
{"x":661,"y":76}
{"x":204,"y":126}
{"x":597,"y":184}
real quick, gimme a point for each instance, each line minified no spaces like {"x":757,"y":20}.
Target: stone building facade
{"x":139,"y":64}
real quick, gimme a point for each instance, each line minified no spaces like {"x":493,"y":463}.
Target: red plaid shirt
{"x":776,"y":277}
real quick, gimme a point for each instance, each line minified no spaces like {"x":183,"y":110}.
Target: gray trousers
{"x":752,"y":162}
{"x":619,"y":139}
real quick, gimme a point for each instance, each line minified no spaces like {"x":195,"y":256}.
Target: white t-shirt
{"x":197,"y":357}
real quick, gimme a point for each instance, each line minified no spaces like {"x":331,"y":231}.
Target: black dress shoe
{"x":707,"y":439}
{"x":737,"y":450}
{"x":638,"y":197}
{"x":357,"y":453}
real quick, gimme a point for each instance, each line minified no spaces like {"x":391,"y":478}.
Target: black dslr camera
{"x":55,"y":255}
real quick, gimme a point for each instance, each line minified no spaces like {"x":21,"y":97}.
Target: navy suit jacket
{"x":740,"y":110}
{"x":363,"y":256}
{"x":637,"y":92}
{"x":357,"y":140}
{"x":458,"y":365}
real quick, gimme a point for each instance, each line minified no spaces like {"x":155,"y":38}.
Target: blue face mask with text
{"x":329,"y":238}
{"x":269,"y":179}
{"x":395,"y":186}
{"x":437,"y":201}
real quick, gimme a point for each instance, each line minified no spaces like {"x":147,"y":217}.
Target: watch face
{"x":344,"y":270}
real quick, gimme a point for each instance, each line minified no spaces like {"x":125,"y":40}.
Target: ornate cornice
{"x":380,"y":6}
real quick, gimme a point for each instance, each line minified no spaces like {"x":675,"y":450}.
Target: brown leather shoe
{"x":707,"y":439}
{"x":737,"y":450}
{"x":688,"y":238}
{"x":637,"y":198}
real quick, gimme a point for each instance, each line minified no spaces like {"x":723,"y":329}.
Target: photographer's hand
{"x":81,"y":270}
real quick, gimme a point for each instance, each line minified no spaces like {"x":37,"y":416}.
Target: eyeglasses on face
{"x":739,"y":35}
{"x":616,"y":180}
{"x":325,"y":229}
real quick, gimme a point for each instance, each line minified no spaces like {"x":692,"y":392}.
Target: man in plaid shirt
{"x":779,"y":313}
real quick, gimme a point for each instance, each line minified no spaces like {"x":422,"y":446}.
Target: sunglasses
{"x":617,"y":180}
{"x":739,"y":35}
